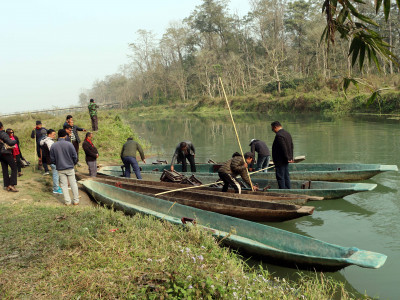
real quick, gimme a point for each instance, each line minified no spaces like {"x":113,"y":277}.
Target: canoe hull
{"x":327,"y":190}
{"x":274,"y":244}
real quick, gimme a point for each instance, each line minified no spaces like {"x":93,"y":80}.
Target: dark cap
{"x":248,"y":154}
{"x":38,"y":122}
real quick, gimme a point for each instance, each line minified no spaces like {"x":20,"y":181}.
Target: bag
{"x":25,"y":163}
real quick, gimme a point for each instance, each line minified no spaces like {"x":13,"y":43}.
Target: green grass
{"x":53,"y":252}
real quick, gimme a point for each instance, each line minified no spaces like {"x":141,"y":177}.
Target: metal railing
{"x":57,"y":110}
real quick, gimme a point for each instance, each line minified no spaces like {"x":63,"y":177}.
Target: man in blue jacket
{"x":64,"y":156}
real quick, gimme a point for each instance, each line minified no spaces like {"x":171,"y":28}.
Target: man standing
{"x":282,"y":154}
{"x":7,"y":160}
{"x":91,"y":154}
{"x":263,"y":154}
{"x":234,"y":167}
{"x":46,"y":144}
{"x":73,"y":134}
{"x":63,"y":155}
{"x":93,"y":114}
{"x":184,"y":150}
{"x":128,"y":156}
{"x":39,"y":132}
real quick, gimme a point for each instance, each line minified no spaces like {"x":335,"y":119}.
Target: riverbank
{"x":327,"y":99}
{"x":52,"y":251}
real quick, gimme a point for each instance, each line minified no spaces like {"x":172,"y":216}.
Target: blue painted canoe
{"x":274,"y":245}
{"x":302,"y":171}
{"x":325,"y":189}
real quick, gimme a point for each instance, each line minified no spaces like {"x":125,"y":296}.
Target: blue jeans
{"x":262,"y":163}
{"x":56,"y":185}
{"x":282,"y":176}
{"x":128,"y":162}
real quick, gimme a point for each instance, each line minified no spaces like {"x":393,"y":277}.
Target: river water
{"x":369,"y":220}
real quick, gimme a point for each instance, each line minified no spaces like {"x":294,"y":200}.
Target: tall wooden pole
{"x":234,"y":126}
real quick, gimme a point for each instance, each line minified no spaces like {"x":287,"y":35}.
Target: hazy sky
{"x":50,"y":50}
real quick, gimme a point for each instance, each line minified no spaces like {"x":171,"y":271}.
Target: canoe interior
{"x":255,"y":238}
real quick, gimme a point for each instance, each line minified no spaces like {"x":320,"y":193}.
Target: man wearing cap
{"x":234,"y":167}
{"x":39,"y":132}
{"x":263,"y":154}
{"x":282,"y":154}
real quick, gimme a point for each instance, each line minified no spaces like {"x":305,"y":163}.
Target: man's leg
{"x":56,"y":185}
{"x":4,"y":167}
{"x":280,"y":177}
{"x":76,"y":146}
{"x":230,"y":181}
{"x":127,"y":166}
{"x":287,"y":177}
{"x":260,"y":161}
{"x":184,"y":164}
{"x":64,"y":186}
{"x":192,"y":163}
{"x":135,"y":167}
{"x":266,"y":163}
{"x":74,"y":186}
{"x":92,"y":168}
{"x":93,"y":124}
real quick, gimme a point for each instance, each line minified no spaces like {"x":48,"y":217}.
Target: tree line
{"x":276,"y":45}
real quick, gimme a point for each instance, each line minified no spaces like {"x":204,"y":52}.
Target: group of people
{"x":60,"y":154}
{"x":282,"y":153}
{"x":63,"y":154}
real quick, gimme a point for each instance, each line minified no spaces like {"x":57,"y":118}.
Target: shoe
{"x":20,"y":174}
{"x":76,"y":203}
{"x":78,"y":164}
{"x":46,"y":173}
{"x":67,"y":204}
{"x":59,"y":191}
{"x":12,"y":188}
{"x":5,"y":188}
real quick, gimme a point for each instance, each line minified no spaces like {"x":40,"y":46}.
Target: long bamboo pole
{"x":204,"y":185}
{"x":234,"y":126}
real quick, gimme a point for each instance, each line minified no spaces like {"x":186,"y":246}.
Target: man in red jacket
{"x":91,"y":154}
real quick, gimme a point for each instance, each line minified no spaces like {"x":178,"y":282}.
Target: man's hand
{"x":255,"y":188}
{"x":291,"y":161}
{"x":245,"y":165}
{"x":172,"y":167}
{"x":144,"y":161}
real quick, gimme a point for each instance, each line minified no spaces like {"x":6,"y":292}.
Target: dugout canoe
{"x":302,"y":171}
{"x":274,"y":245}
{"x":251,"y":207}
{"x":325,"y":189}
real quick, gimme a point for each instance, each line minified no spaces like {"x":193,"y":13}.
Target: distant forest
{"x":277,"y":45}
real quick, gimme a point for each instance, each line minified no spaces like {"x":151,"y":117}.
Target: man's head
{"x":183,"y":146}
{"x":129,"y":139}
{"x":68,"y":129}
{"x":68,"y":117}
{"x":89,"y":136}
{"x":91,"y":100}
{"x":38,"y":124}
{"x":276,"y":126}
{"x":62,"y":133}
{"x":1,"y":126}
{"x":236,"y":154}
{"x":248,"y":156}
{"x":51,"y":133}
{"x":70,"y":121}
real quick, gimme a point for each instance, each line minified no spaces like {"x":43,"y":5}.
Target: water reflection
{"x":367,"y":220}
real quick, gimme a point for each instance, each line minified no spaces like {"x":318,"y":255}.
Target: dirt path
{"x":35,"y":187}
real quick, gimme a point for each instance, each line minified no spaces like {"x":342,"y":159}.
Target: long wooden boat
{"x":274,"y":245}
{"x":245,"y":206}
{"x":325,"y":189}
{"x":302,"y":171}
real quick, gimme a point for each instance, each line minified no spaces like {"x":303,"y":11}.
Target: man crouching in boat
{"x":234,"y":167}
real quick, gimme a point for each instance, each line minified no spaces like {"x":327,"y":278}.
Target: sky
{"x":51,"y":51}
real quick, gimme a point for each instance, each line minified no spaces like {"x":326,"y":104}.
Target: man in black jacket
{"x":282,"y":154}
{"x":184,"y":150}
{"x":263,"y":154}
{"x":7,"y":159}
{"x":91,"y":154}
{"x":75,"y":140}
{"x":39,"y":132}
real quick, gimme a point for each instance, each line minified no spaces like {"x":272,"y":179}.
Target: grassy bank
{"x":58,"y":252}
{"x":49,"y":251}
{"x":322,"y":97}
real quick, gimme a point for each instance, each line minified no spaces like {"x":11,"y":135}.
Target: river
{"x":369,"y":220}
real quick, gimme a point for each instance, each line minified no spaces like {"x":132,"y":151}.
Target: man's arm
{"x":52,"y":156}
{"x":282,"y":145}
{"x":33,"y":134}
{"x":140,"y":149}
{"x":73,"y":154}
